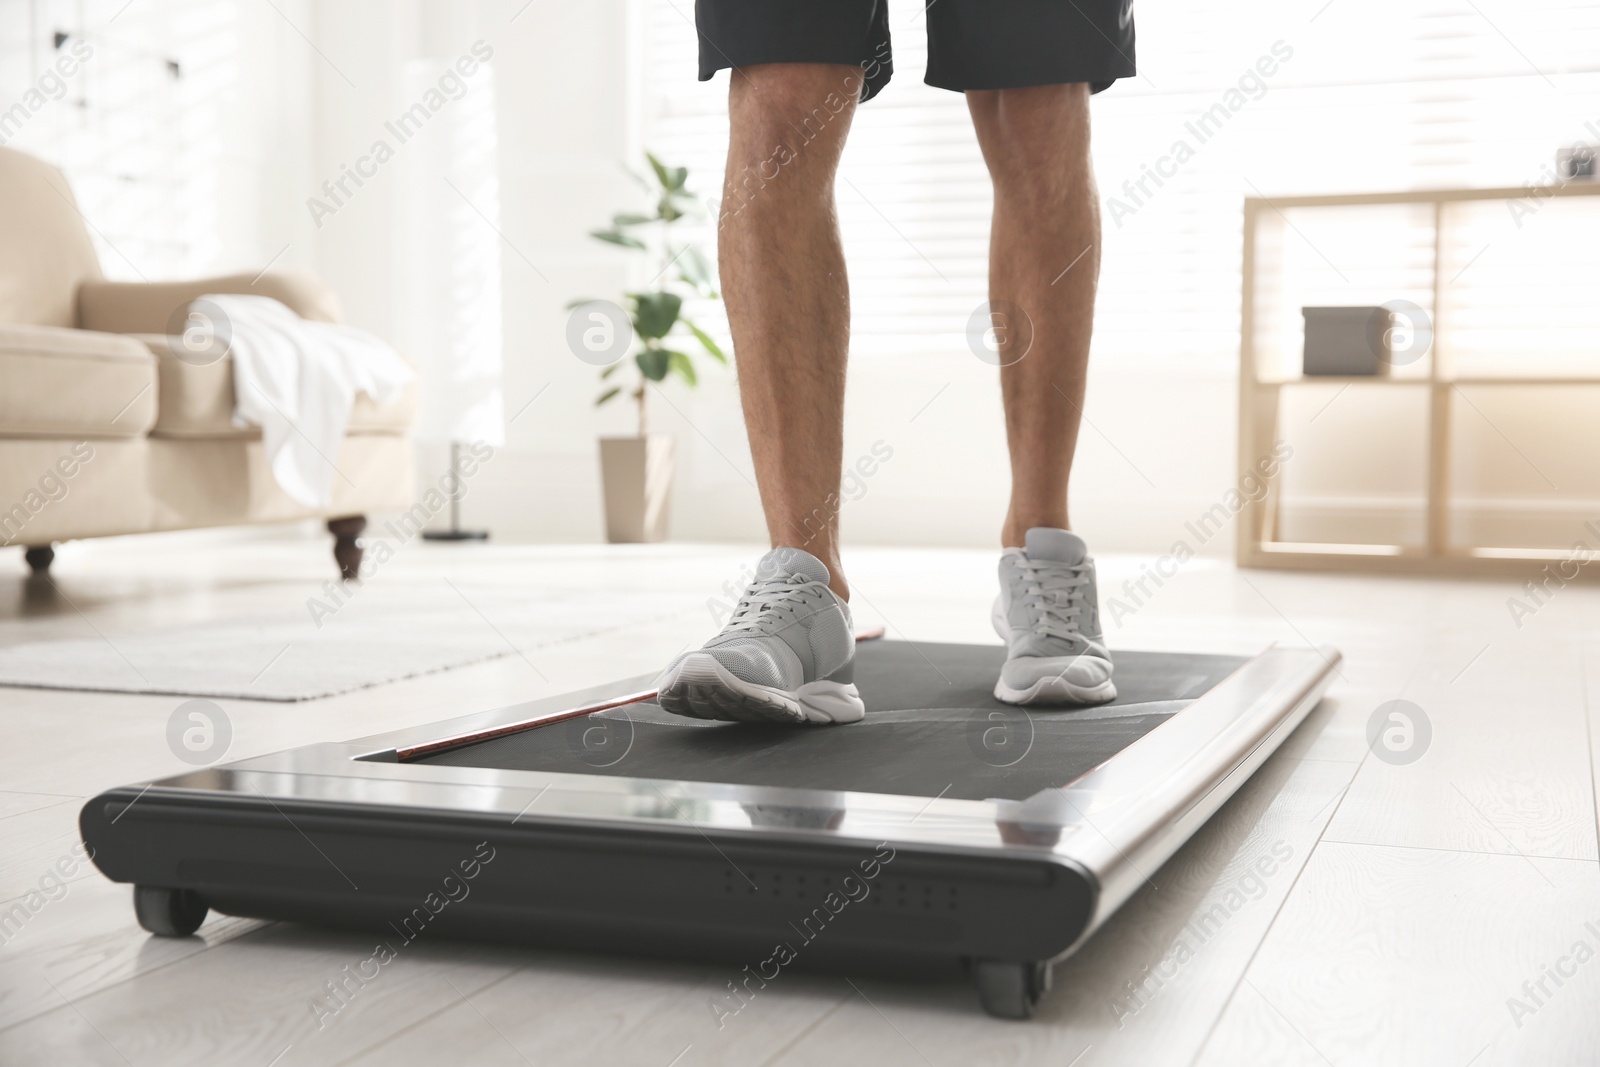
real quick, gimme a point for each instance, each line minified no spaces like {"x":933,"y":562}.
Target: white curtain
{"x":450,"y":218}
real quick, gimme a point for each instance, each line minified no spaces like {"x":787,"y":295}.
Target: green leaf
{"x":607,"y":395}
{"x":616,"y":239}
{"x":653,"y":363}
{"x":681,"y":363}
{"x":613,"y":237}
{"x":654,"y":314}
{"x":631,"y":220}
{"x":671,"y":178}
{"x":668,"y":212}
{"x":694,"y":268}
{"x":662,"y":175}
{"x":713,"y":349}
{"x":610,"y":370}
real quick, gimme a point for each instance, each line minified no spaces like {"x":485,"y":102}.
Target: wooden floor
{"x":1445,"y":911}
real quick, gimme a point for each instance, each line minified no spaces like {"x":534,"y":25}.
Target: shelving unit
{"x":1266,"y":375}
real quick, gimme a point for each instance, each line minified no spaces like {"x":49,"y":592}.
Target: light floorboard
{"x":1412,"y":902}
{"x":1402,"y":956}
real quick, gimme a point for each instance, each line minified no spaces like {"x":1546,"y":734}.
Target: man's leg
{"x":788,"y":301}
{"x":787,"y":653}
{"x":1045,"y":261}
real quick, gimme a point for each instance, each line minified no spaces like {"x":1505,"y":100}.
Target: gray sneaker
{"x":1048,"y":614}
{"x":787,"y":654}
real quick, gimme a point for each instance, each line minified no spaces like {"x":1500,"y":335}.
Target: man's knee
{"x":799,"y":102}
{"x":1036,"y":139}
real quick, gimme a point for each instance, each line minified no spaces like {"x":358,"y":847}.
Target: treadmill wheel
{"x":1010,"y":990}
{"x":168,"y":912}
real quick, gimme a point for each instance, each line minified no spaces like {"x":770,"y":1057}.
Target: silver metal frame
{"x":1118,"y":822}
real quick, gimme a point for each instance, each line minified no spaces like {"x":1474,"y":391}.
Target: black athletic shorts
{"x":972,"y":44}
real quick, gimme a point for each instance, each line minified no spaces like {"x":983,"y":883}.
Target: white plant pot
{"x":637,"y":475}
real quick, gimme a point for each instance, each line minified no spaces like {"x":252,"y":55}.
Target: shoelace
{"x":779,"y":597}
{"x":1054,"y":591}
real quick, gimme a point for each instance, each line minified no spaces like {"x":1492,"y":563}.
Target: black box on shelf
{"x":1578,"y":162}
{"x":1346,"y":341}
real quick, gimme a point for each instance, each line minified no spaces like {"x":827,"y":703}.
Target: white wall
{"x":272,"y":115}
{"x":276,"y":98}
{"x":1341,"y":112}
{"x":566,"y":133}
{"x":563,"y":96}
{"x":566,"y":82}
{"x":1158,"y":449}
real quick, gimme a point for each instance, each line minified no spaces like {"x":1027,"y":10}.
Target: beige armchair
{"x":104,"y":430}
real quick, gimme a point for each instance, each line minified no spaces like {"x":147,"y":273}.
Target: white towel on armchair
{"x":297,"y":380}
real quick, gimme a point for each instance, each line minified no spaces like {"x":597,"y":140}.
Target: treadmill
{"x":944,"y":834}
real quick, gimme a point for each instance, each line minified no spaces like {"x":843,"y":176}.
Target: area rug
{"x":297,"y":653}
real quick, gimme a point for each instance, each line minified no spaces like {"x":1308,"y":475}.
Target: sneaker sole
{"x":702,"y":688}
{"x":1055,"y":691}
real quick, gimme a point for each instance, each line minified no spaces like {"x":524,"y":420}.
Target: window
{"x":1362,"y":96}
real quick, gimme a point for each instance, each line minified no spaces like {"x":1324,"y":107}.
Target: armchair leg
{"x":39,"y":558}
{"x":347,"y":548}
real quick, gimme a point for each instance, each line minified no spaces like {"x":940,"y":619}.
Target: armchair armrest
{"x":148,"y":307}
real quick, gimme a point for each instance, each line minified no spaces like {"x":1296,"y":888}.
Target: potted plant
{"x":637,"y":470}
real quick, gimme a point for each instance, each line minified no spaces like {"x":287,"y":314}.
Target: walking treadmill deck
{"x":997,"y":839}
{"x":933,"y":728}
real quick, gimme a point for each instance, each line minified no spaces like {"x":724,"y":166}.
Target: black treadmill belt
{"x":932,"y":728}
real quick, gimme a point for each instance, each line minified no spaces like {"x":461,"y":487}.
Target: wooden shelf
{"x":1576,"y":187}
{"x":1300,"y":548}
{"x":1526,"y":379}
{"x":1259,"y":542}
{"x":1341,"y":379}
{"x":1380,"y":379}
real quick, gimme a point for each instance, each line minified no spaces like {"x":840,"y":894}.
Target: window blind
{"x":1363,"y":96}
